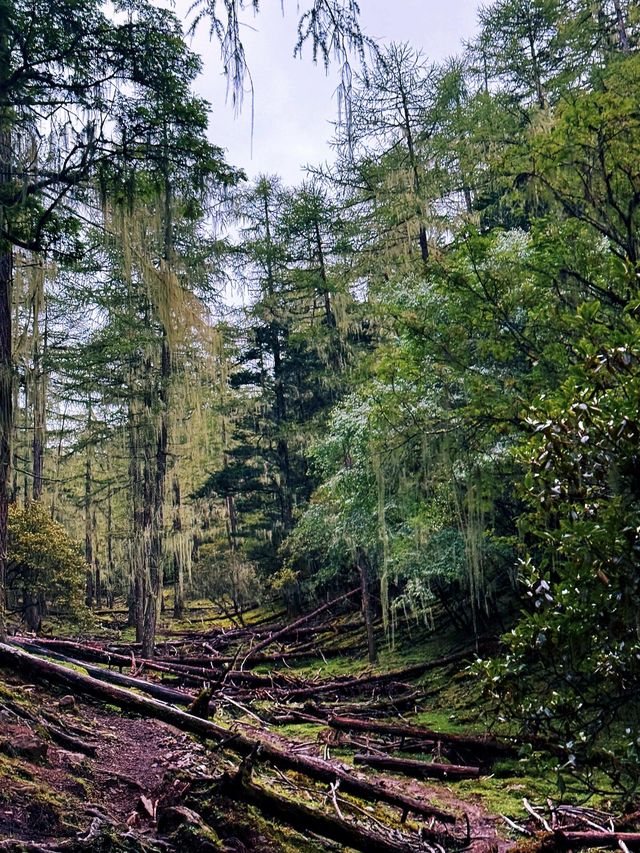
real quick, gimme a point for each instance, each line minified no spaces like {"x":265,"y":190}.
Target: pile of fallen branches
{"x":558,"y":826}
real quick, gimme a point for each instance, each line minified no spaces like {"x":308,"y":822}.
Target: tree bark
{"x":6,"y":359}
{"x":565,"y":840}
{"x":418,"y":769}
{"x":363,"y":569}
{"x":305,"y":819}
{"x":39,"y":385}
{"x":483,"y":745}
{"x":623,"y":38}
{"x":178,"y":562}
{"x":165,"y":694}
{"x":88,"y":519}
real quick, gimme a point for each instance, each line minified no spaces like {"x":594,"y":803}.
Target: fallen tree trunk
{"x":288,"y":629}
{"x":566,"y":840}
{"x":350,"y":684}
{"x":97,"y":655}
{"x":385,"y":707}
{"x":62,"y":738}
{"x":482,"y":744}
{"x":236,"y":741}
{"x":306,"y":819}
{"x":424,"y":769}
{"x":166,"y":694}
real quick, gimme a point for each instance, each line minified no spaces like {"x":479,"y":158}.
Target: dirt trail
{"x":40,"y":795}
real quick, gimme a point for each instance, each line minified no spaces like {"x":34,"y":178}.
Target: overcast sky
{"x":295,"y":100}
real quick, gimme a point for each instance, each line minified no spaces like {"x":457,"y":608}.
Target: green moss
{"x":301,"y":731}
{"x":504,"y":796}
{"x":197,"y":839}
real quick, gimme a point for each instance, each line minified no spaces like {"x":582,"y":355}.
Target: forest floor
{"x":116,"y":780}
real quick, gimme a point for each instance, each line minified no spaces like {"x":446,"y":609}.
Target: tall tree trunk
{"x":157,"y":538}
{"x":39,"y":388}
{"x":138,"y":496}
{"x":362,"y":564}
{"x":623,"y":38}
{"x":88,"y":519}
{"x":153,"y":602}
{"x":178,"y":555}
{"x":535,"y":64}
{"x":6,"y":290}
{"x":417,"y":184}
{"x":330,"y":317}
{"x":98,"y":584}
{"x":6,"y":397}
{"x":280,"y":408}
{"x":109,"y":567}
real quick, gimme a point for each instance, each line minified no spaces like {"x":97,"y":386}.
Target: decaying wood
{"x":350,"y":685}
{"x":166,"y":694}
{"x":316,"y":768}
{"x":566,"y":840}
{"x":307,"y":819}
{"x":298,"y":623}
{"x":425,"y":769}
{"x":480,"y":744}
{"x":58,"y":735}
{"x":94,"y":654}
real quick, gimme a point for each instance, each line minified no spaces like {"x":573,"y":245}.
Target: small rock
{"x":25,"y":745}
{"x":173,"y":817}
{"x":147,"y":806}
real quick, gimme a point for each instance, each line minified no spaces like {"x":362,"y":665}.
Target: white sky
{"x":295,"y":100}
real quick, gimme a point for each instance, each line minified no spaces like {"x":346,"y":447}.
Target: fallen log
{"x":288,"y":629}
{"x":565,"y":840}
{"x":373,"y":790}
{"x":480,"y":744}
{"x":423,"y":769}
{"x":218,"y":660}
{"x":348,"y":685}
{"x":384,"y":706}
{"x":306,"y":819}
{"x":166,"y":694}
{"x":57,"y":735}
{"x":97,"y":655}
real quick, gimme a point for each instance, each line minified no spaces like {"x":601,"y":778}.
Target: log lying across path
{"x":165,"y":694}
{"x":316,"y":768}
{"x":95,"y":654}
{"x":424,"y":769}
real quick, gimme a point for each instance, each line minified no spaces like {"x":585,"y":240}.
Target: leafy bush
{"x":572,"y":671}
{"x":44,"y":565}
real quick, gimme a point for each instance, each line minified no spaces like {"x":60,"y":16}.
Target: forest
{"x":320,"y":504}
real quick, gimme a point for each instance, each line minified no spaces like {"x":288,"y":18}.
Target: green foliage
{"x":226,"y":578}
{"x":44,"y":563}
{"x":572,"y":668}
